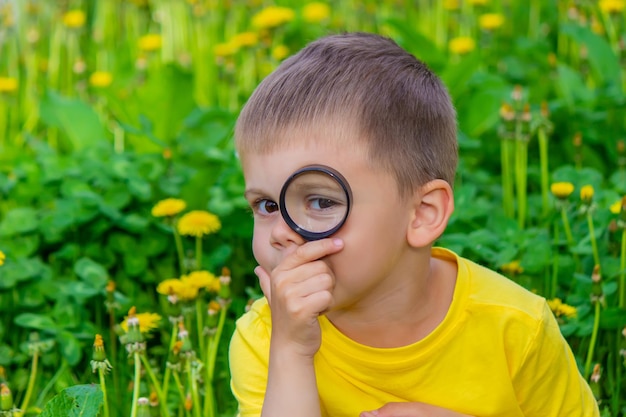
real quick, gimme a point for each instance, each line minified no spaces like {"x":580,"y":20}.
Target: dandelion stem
{"x":155,"y":382}
{"x":31,"y":381}
{"x":521,"y":161}
{"x":200,"y":326}
{"x":136,"y":383}
{"x":197,"y":412}
{"x":181,"y":391}
{"x":198,"y":253}
{"x":507,"y":186}
{"x":179,"y":250}
{"x":568,"y":235}
{"x":103,"y":387}
{"x":555,"y":264}
{"x":622,"y":274}
{"x":592,"y":235}
{"x":168,"y":371}
{"x":543,"y":161}
{"x":594,"y":336}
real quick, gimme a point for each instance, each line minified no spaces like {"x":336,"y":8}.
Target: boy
{"x":374,"y":321}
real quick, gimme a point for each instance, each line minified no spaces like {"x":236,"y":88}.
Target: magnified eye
{"x":265,"y":207}
{"x":321,"y":203}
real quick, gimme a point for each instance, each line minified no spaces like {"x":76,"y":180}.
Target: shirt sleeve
{"x":548,"y":382}
{"x":249,"y":358}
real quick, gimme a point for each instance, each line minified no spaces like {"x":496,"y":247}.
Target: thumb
{"x":264,"y":282}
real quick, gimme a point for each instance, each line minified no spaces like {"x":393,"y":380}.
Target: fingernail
{"x":256,"y":271}
{"x":338,"y":242}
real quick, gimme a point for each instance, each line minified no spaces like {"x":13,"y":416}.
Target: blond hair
{"x":365,"y":84}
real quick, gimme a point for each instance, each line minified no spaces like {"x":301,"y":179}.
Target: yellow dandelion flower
{"x":245,"y":39}
{"x":451,"y":4}
{"x":198,"y":223}
{"x":187,"y":292}
{"x":74,"y":19}
{"x":8,"y":84}
{"x":225,"y":49}
{"x":462,"y":45}
{"x":170,"y":286}
{"x":315,"y":12}
{"x":561,"y":309}
{"x":615,"y":208}
{"x":586,"y":193}
{"x":150,"y":42}
{"x":200,"y":279}
{"x":168,"y":207}
{"x":100,"y":79}
{"x":512,"y":267}
{"x":147,"y":322}
{"x":2,"y":258}
{"x":280,"y":52}
{"x":562,"y":190}
{"x":612,"y":6}
{"x":272,"y":16}
{"x":490,"y":21}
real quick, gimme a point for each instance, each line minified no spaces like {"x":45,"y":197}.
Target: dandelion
{"x":315,"y":12}
{"x":100,"y":79}
{"x":462,"y":45}
{"x":272,"y":16}
{"x":612,"y":6}
{"x":6,"y":399}
{"x":2,"y":258}
{"x":150,"y":42}
{"x":168,"y":207}
{"x":8,"y":85}
{"x":225,"y":49}
{"x":198,"y":223}
{"x":74,"y":19}
{"x":146,"y":321}
{"x":99,"y":359}
{"x":512,"y":267}
{"x":560,"y":309}
{"x":280,"y":52}
{"x":451,"y":5}
{"x":616,"y":208}
{"x":490,"y":21}
{"x":586,"y":194}
{"x":245,"y":39}
{"x":562,"y":190}
{"x":170,"y":286}
{"x":201,"y":279}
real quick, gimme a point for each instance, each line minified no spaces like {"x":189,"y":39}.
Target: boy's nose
{"x":282,"y":236}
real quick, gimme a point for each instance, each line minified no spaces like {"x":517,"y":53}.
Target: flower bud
{"x":6,"y":398}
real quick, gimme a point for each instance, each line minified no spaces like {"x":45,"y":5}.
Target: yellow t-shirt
{"x":498,"y":352}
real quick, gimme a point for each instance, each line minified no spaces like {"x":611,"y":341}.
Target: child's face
{"x":374,"y":235}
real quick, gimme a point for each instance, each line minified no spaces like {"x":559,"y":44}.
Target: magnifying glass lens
{"x":315,"y":202}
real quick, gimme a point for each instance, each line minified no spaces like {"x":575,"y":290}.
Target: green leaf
{"x":75,"y":401}
{"x":603,"y":60}
{"x":70,"y":347}
{"x":134,"y":264}
{"x":19,"y":220}
{"x":572,"y":88}
{"x":74,"y":117}
{"x":133,"y":223}
{"x":22,"y":246}
{"x":613,"y":318}
{"x":419,"y":45}
{"x":91,"y":272}
{"x":35,"y":321}
{"x":480,"y":112}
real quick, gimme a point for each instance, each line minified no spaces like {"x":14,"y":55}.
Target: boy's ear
{"x":433,"y":204}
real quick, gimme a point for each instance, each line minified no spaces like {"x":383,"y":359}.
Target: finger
{"x":312,"y":251}
{"x":264,"y":282}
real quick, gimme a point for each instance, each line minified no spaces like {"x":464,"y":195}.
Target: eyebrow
{"x":252,"y":192}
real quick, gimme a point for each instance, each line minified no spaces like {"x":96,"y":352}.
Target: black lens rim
{"x":340,"y":179}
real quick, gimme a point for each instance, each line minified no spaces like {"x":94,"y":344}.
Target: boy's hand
{"x":411,"y":410}
{"x":298,"y":290}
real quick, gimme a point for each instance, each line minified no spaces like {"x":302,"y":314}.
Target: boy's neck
{"x":406,"y":315}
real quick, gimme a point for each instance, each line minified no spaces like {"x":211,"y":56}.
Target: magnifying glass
{"x":315,"y":201}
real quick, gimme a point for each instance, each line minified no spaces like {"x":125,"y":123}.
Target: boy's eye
{"x":265,"y":207}
{"x":321,"y":203}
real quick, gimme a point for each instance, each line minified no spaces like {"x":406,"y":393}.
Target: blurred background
{"x":109,"y":108}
